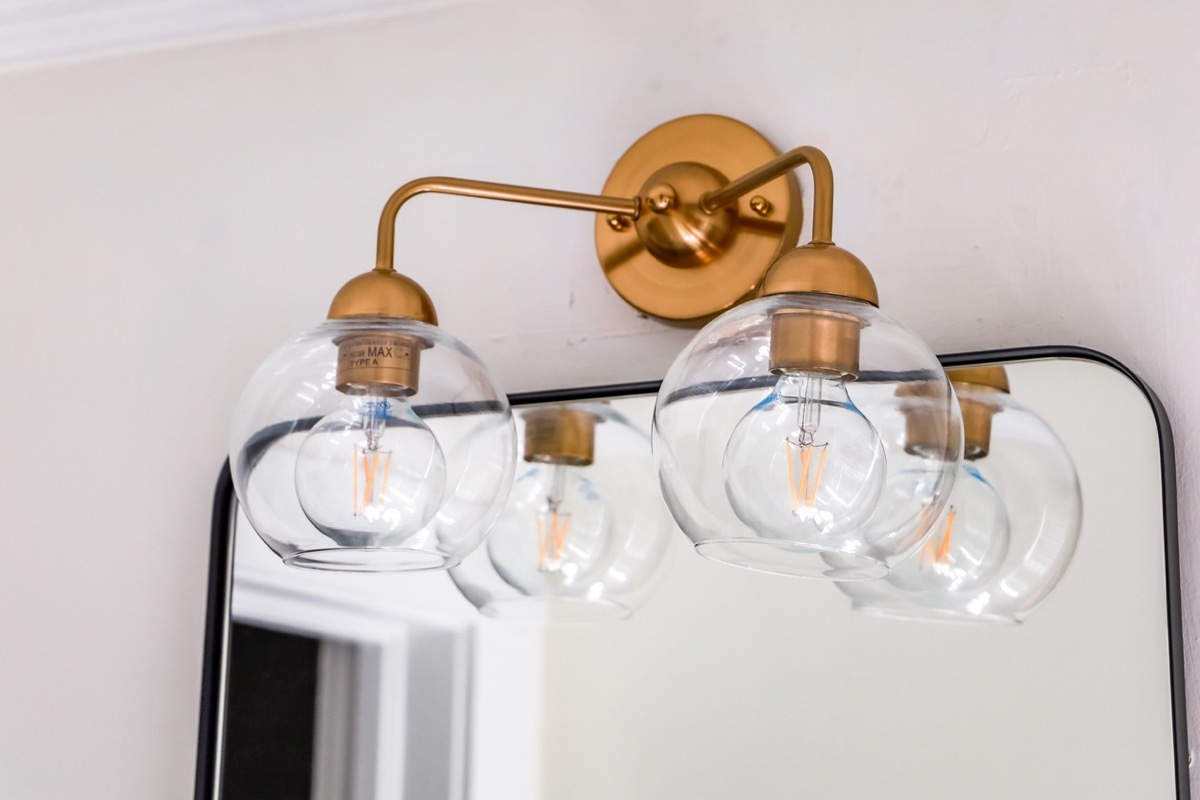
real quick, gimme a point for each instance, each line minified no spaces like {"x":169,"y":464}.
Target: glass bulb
{"x":555,"y":533}
{"x":371,"y":473}
{"x":805,"y":465}
{"x":968,"y":545}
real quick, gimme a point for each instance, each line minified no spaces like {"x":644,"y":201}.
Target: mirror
{"x":724,"y":682}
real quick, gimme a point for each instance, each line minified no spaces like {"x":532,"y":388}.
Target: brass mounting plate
{"x":696,"y":293}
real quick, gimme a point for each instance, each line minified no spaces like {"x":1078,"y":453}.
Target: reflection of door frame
{"x":382,"y":676}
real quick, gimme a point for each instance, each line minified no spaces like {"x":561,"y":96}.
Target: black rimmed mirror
{"x":725,"y":682}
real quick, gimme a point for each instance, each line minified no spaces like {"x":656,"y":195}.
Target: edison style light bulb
{"x":554,"y":535}
{"x":968,"y":544}
{"x":805,"y":463}
{"x":371,"y":473}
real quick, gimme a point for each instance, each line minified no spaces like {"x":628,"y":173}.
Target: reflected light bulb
{"x":805,"y":465}
{"x":968,"y":544}
{"x":554,"y":537}
{"x":371,"y":473}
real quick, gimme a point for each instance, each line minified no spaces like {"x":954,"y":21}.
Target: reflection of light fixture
{"x":584,"y":531}
{"x":1010,"y":528}
{"x":806,"y":479}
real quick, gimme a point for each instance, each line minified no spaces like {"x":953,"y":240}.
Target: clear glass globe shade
{"x":298,"y":446}
{"x":725,"y":424}
{"x":554,"y":535}
{"x":805,"y":462}
{"x":968,"y":544}
{"x":371,"y":473}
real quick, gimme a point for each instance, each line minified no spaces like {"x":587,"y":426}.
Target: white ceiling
{"x":40,"y":32}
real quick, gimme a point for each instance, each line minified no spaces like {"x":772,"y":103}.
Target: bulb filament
{"x":552,"y":530}
{"x":809,"y":461}
{"x":940,"y":553}
{"x":368,"y":458}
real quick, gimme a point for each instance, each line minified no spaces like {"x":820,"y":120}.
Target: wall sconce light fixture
{"x":378,"y":441}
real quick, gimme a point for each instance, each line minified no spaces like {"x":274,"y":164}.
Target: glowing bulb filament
{"x":374,"y":485}
{"x":552,"y":530}
{"x":940,"y":553}
{"x":803,"y":488}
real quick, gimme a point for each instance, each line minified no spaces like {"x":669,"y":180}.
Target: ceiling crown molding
{"x":35,"y":33}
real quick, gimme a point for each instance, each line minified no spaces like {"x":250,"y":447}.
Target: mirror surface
{"x":727,"y":683}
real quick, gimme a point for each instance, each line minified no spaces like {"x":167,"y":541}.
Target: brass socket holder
{"x":378,"y":363}
{"x":811,"y":340}
{"x":977,"y":411}
{"x":925,"y":433}
{"x":560,"y":436}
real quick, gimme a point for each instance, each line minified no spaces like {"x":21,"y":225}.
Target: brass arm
{"x":600,"y":204}
{"x":822,"y":232}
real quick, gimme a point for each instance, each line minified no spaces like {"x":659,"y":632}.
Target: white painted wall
{"x":1015,"y":173}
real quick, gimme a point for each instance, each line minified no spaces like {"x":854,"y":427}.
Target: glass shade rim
{"x":532,"y":608}
{"x":367,"y":558}
{"x":869,"y":567}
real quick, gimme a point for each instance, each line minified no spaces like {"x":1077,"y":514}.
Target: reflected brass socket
{"x":924,"y":433}
{"x":378,"y":363}
{"x":811,"y":340}
{"x":560,"y":436}
{"x":977,"y":412}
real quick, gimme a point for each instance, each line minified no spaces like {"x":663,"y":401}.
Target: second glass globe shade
{"x":806,"y":473}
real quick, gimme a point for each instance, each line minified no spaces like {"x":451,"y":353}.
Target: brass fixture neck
{"x":560,"y":436}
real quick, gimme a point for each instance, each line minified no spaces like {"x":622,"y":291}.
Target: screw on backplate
{"x":760,"y":205}
{"x":618,"y":222}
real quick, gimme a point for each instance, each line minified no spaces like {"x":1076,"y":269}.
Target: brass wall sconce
{"x":398,"y":448}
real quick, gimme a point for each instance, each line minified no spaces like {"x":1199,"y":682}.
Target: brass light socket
{"x":378,"y":363}
{"x":812,"y":340}
{"x":560,"y":436}
{"x":977,"y":428}
{"x":926,"y":433}
{"x":977,"y":412}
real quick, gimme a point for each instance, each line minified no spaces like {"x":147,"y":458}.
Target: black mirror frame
{"x":220,"y":572}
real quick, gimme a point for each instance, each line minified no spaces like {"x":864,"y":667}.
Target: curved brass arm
{"x":385,"y":249}
{"x":822,"y":229}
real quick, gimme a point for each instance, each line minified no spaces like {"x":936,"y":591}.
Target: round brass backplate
{"x":694,"y":293}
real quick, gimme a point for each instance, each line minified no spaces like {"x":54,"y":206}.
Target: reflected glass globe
{"x":584,"y":536}
{"x":1016,"y":520}
{"x":555,"y":534}
{"x":968,"y":543}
